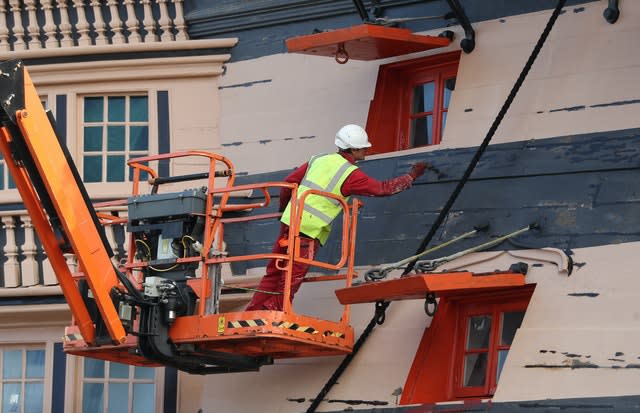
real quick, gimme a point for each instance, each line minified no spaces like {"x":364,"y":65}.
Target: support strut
{"x":612,"y":12}
{"x":469,"y":42}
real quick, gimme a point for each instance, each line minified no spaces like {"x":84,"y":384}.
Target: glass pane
{"x":510,"y":323}
{"x":420,"y":133}
{"x":116,"y":108}
{"x":11,"y":398}
{"x":92,"y":138}
{"x":92,"y":169}
{"x":144,"y":398}
{"x":92,"y":397}
{"x":139,"y":136}
{"x":118,"y":397}
{"x":115,"y":138}
{"x":478,"y":330}
{"x":12,"y":183}
{"x":33,"y":397}
{"x":444,"y":123}
{"x":423,"y":98}
{"x":35,"y":363}
{"x":144,"y":373}
{"x":93,"y":368}
{"x":115,"y":168}
{"x":449,"y":86}
{"x":1,"y":176}
{"x":475,"y":369}
{"x":93,"y":109}
{"x":139,"y":109}
{"x":12,"y":364}
{"x":118,"y":371}
{"x":502,"y":357}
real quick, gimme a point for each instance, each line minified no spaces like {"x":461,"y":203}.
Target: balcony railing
{"x":54,"y":24}
{"x":26,"y":265}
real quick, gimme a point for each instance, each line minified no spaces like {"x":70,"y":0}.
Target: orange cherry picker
{"x":161,"y":305}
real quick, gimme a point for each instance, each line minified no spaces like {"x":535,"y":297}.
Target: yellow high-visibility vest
{"x":325,"y":173}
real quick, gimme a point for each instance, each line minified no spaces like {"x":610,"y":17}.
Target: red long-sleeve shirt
{"x":357,"y":183}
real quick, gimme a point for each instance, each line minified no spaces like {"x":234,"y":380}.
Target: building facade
{"x":128,"y":78}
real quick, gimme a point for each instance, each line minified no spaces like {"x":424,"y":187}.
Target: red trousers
{"x":273,"y":281}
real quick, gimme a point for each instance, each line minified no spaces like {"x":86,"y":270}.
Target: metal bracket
{"x":612,"y":12}
{"x":469,"y":42}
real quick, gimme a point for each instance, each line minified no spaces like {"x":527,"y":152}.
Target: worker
{"x":336,"y":173}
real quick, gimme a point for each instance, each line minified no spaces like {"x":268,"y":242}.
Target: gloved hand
{"x":418,"y":169}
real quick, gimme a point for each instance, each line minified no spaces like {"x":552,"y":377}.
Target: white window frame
{"x":48,"y":371}
{"x":75,"y":133}
{"x":75,"y":383}
{"x":127,"y":152}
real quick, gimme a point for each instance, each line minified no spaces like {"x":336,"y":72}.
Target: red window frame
{"x":390,"y":112}
{"x":437,"y":372}
{"x":495,"y":310}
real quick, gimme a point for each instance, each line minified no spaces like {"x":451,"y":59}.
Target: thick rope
{"x":492,"y":130}
{"x":382,"y":306}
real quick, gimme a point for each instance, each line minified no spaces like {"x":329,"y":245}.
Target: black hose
{"x":490,"y":133}
{"x":381,"y":307}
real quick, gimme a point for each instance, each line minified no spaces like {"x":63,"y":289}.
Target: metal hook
{"x":429,"y":303}
{"x":342,"y":56}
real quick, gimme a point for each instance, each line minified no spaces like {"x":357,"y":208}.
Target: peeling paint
{"x":468,"y":110}
{"x":632,"y":366}
{"x":578,"y":10}
{"x":618,"y":103}
{"x":551,"y":406}
{"x":572,"y":355}
{"x":569,"y":109}
{"x":296,"y":400}
{"x":245,"y":84}
{"x":264,"y":141}
{"x":620,"y":360}
{"x":232,"y":144}
{"x":573,"y":364}
{"x":583,"y":294}
{"x":619,"y":353}
{"x":359,"y":402}
{"x":307,"y":137}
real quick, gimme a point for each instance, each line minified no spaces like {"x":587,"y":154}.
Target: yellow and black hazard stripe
{"x":73,"y":337}
{"x":295,"y":327}
{"x":246,"y":323}
{"x":338,"y":334}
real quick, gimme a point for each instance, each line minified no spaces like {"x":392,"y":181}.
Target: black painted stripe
{"x":61,"y":117}
{"x":164,"y":134}
{"x":170,"y":399}
{"x":59,"y":375}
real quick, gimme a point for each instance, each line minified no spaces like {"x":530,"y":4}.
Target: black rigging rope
{"x":378,"y":318}
{"x":490,"y":133}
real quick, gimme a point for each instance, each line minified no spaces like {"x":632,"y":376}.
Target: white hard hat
{"x":352,"y":137}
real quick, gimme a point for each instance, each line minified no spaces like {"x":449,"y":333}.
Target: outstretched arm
{"x":359,"y":183}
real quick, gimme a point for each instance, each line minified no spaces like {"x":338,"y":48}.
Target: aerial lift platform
{"x":159,"y":307}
